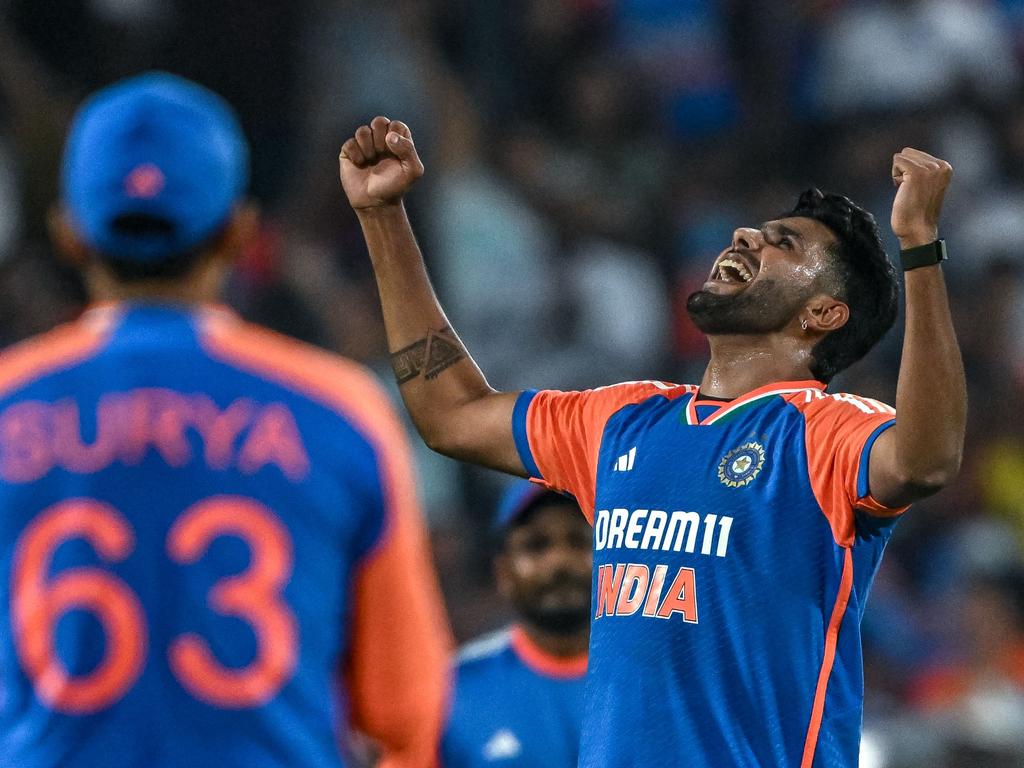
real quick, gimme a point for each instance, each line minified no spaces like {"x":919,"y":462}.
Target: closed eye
{"x":779,"y":240}
{"x":780,"y":236}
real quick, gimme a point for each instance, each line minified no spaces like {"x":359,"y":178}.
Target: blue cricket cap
{"x":520,"y":497}
{"x":153,"y":145}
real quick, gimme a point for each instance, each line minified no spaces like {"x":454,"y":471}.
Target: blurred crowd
{"x":586,"y":161}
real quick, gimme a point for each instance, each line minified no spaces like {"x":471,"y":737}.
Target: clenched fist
{"x":379,"y":164}
{"x":921,"y":182}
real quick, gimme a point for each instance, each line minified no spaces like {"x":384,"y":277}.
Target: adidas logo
{"x":502,"y":746}
{"x":625,"y":462}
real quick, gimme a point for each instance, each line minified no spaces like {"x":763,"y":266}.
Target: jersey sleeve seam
{"x":521,"y":432}
{"x":864,"y":465}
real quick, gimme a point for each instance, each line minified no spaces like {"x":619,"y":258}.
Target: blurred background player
{"x":211,"y":549}
{"x":518,"y":697}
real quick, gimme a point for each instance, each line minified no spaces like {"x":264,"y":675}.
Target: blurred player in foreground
{"x":210,"y":547}
{"x":737,"y":524}
{"x":518,"y":698}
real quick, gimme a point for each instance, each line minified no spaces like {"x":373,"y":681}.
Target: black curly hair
{"x":861,"y":276}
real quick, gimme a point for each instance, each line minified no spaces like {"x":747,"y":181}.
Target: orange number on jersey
{"x":254,"y":596}
{"x":37,"y":603}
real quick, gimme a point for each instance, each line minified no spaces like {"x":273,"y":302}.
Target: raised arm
{"x":454,"y":409}
{"x":922,"y":452}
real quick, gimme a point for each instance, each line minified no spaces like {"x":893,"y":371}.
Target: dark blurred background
{"x":586,"y":160}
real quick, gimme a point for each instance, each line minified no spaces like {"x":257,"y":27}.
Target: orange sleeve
{"x":397,"y":667}
{"x":62,"y":347}
{"x":558,"y":434}
{"x":840,"y":431}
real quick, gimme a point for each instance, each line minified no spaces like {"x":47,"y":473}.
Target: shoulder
{"x":603,"y":401}
{"x":49,"y":352}
{"x":334,"y":382}
{"x":840,"y":406}
{"x":641,"y":390}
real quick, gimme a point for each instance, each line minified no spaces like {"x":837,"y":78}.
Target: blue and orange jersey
{"x":735,"y":545}
{"x":211,"y":552}
{"x":514,"y":705}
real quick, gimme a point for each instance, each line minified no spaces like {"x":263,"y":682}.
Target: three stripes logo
{"x":625,"y":462}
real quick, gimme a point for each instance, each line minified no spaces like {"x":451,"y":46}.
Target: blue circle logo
{"x":742,"y":465}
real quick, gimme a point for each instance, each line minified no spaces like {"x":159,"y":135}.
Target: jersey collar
{"x":544,"y":663}
{"x":724,"y":409}
{"x":107,"y":312}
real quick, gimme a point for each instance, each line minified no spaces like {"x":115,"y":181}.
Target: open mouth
{"x":733,"y":269}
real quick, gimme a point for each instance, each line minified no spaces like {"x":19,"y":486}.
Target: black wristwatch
{"x":923,"y":255}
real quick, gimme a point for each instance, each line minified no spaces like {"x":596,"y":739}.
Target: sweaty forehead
{"x":810,"y":231}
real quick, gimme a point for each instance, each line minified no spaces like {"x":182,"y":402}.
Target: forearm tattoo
{"x":428,"y":356}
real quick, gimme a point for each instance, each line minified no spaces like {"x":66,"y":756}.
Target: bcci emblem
{"x":741,"y":465}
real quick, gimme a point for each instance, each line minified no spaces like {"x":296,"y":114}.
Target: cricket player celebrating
{"x":738,"y":522}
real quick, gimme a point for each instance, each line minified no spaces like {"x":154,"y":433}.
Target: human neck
{"x":555,"y":644}
{"x":740,"y":364}
{"x":200,"y":287}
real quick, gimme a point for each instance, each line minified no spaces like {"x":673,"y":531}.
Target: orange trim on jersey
{"x":874,"y":507}
{"x":725,"y":408}
{"x":831,"y":638}
{"x":544,"y":663}
{"x":564,"y":431}
{"x":396,"y":670}
{"x":62,"y":347}
{"x":837,"y":427}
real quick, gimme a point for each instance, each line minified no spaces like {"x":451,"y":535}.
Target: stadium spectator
{"x":976,"y":694}
{"x":901,"y":54}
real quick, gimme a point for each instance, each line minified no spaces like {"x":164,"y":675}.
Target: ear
{"x":69,"y":246}
{"x":824,"y":314}
{"x":242,"y":228}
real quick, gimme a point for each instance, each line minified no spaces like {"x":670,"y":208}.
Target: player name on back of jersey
{"x":37,"y":437}
{"x":626,"y":589}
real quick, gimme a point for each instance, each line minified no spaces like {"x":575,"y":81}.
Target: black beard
{"x":557,"y":621}
{"x":761,"y":308}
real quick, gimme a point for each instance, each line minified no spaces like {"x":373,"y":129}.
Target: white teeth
{"x":741,"y":269}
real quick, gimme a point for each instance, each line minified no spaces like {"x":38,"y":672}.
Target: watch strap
{"x":923,"y":255}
